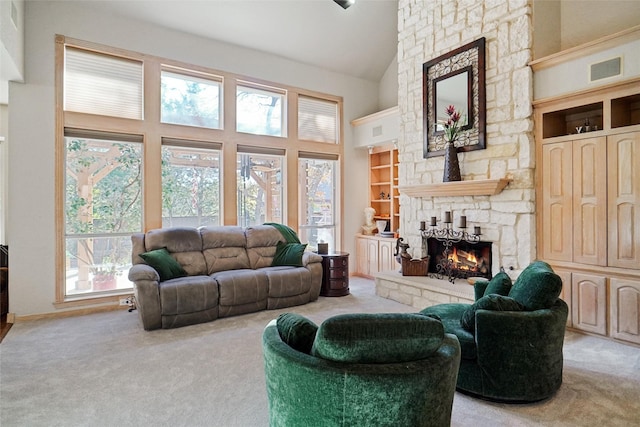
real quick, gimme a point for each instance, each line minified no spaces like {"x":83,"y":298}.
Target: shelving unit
{"x":383,"y":185}
{"x":587,"y":196}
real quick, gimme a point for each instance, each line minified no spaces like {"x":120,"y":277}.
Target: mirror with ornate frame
{"x":456,"y":78}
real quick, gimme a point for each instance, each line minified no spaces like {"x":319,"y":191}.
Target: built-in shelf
{"x":478,"y":187}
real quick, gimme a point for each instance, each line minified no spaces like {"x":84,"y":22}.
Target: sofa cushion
{"x":188,"y":295}
{"x":378,"y":338}
{"x":450,"y":314}
{"x":162,"y":261}
{"x":224,"y":248}
{"x":289,"y":254}
{"x":489,"y":302}
{"x":297,"y":331}
{"x":537,"y":287}
{"x":240,"y":287}
{"x":499,"y":285}
{"x":261,"y":245}
{"x":183,"y":243}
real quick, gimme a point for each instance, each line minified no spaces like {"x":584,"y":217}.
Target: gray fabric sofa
{"x":228,"y":272}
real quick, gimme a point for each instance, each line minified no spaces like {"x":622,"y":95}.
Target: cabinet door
{"x":590,"y":201}
{"x":588,"y":308}
{"x":556,"y":201}
{"x":623,"y":159}
{"x":362,"y":259}
{"x":624,"y":306}
{"x":385,"y":254}
{"x":372,"y":254}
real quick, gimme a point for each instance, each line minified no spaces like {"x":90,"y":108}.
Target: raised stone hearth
{"x":422,"y":291}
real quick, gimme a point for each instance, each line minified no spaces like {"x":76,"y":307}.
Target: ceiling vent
{"x":605,"y":69}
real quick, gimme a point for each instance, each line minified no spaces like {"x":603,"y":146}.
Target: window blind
{"x":317,"y":120}
{"x":102,"y":84}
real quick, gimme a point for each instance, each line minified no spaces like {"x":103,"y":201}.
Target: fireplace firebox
{"x":460,"y":261}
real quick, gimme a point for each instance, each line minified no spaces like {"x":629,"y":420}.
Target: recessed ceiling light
{"x":345,"y":3}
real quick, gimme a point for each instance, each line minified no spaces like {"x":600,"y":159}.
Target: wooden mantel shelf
{"x":478,"y":187}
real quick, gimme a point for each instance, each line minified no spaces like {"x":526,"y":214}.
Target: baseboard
{"x":70,"y":313}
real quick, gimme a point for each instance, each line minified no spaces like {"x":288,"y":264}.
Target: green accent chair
{"x":395,"y":369}
{"x":511,"y":337}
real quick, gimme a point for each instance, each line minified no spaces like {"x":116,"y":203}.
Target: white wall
{"x":388,"y":93}
{"x":4,"y":126}
{"x":11,"y":45}
{"x":31,"y":213}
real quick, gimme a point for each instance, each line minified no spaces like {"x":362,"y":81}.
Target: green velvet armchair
{"x":511,"y":337}
{"x":360,"y":370}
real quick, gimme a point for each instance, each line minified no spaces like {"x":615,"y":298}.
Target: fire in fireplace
{"x":463,"y":260}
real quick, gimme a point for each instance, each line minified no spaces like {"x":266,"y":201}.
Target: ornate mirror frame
{"x":469,"y":58}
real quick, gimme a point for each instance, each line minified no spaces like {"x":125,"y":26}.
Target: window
{"x":102,"y":84}
{"x":123,"y":170}
{"x":317,"y":119}
{"x":260,"y":111}
{"x":103,"y":200}
{"x":188,"y":100}
{"x":318,"y":200}
{"x":190,"y":186}
{"x":260,"y":188}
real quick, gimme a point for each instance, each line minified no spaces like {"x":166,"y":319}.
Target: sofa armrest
{"x":508,"y":340}
{"x":479,"y":287}
{"x":143,"y":272}
{"x":310,"y":257}
{"x":146,"y":289}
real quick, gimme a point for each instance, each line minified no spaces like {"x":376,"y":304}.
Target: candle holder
{"x":446,"y":267}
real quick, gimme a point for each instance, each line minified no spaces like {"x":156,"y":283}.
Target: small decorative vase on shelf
{"x":451,"y":164}
{"x":451,"y":132}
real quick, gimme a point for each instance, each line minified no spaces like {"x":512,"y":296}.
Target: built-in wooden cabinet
{"x":589,"y":303}
{"x":374,"y":254}
{"x":624,"y":309}
{"x":588,"y":197}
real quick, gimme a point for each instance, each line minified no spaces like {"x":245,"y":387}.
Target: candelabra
{"x":446,"y":267}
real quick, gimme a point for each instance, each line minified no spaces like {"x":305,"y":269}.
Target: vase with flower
{"x":451,"y":133}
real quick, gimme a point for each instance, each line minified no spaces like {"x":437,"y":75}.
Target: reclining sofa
{"x":185,"y":275}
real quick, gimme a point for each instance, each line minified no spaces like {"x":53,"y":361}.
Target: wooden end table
{"x":335,"y":274}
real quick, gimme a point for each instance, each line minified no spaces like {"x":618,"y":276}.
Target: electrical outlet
{"x":125,"y":301}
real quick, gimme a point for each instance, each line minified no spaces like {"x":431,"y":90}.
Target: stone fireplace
{"x":497,"y":191}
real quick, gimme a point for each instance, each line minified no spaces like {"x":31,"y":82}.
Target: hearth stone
{"x":421,"y":291}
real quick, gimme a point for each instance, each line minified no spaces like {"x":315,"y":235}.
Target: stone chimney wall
{"x":428,"y":29}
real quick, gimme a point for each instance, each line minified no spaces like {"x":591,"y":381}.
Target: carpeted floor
{"x":105,"y":370}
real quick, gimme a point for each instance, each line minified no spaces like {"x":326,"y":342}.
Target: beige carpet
{"x":105,"y":370}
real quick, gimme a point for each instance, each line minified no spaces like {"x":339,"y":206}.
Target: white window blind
{"x":317,"y":120}
{"x":102,"y":84}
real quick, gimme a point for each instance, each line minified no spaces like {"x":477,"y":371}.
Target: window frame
{"x":152,"y":132}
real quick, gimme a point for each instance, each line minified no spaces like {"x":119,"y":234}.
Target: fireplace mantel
{"x":477,"y":187}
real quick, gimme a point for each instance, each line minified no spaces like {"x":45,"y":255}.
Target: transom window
{"x":260,"y":111}
{"x":97,"y":83}
{"x":189,"y":100}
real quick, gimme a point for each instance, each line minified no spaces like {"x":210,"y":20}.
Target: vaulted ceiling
{"x":360,"y":41}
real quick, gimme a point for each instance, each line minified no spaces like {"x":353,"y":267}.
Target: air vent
{"x":605,"y":69}
{"x":376,"y":131}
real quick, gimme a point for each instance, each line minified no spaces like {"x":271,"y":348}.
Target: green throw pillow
{"x":289,"y":254}
{"x":500,"y":285}
{"x":166,"y":266}
{"x":297,"y":331}
{"x":489,"y":302}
